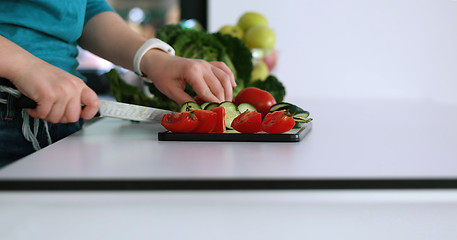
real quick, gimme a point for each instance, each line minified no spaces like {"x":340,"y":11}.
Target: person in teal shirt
{"x":38,"y":49}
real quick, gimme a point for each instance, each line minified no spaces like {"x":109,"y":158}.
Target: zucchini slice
{"x":299,"y":115}
{"x":204,"y":105}
{"x":231,"y":112}
{"x":211,"y":105}
{"x":243,"y":107}
{"x":279,"y":106}
{"x":290,"y":108}
{"x":189,"y":106}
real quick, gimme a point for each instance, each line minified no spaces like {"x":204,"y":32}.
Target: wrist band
{"x":148,"y":45}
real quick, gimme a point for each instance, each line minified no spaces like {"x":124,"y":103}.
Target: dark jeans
{"x":13,"y":144}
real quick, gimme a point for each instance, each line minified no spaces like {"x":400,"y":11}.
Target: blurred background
{"x":400,"y":49}
{"x":395,"y":49}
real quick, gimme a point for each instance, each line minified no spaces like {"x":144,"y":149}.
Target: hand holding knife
{"x":113,"y":110}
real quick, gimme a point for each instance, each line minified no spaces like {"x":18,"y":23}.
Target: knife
{"x":113,"y":110}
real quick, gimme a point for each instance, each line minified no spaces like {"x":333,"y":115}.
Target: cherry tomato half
{"x":220,"y":119}
{"x":248,"y":122}
{"x":180,"y":122}
{"x":277,"y":122}
{"x":207,"y":121}
{"x":260,"y":99}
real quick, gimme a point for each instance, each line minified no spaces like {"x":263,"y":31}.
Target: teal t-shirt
{"x":49,"y":29}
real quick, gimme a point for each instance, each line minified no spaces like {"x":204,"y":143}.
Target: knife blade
{"x":130,"y":112}
{"x":113,"y":110}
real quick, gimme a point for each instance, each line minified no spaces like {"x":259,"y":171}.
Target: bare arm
{"x":108,"y":36}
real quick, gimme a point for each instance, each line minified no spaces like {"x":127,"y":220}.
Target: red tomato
{"x":277,"y":122}
{"x":220,"y":119}
{"x":260,"y":99}
{"x":207,"y":121}
{"x":180,"y":122}
{"x":248,"y":122}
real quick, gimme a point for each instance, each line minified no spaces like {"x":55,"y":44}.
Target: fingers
{"x":213,"y":82}
{"x":72,"y":111}
{"x":226,"y":80}
{"x":207,"y":87}
{"x":227,"y":70}
{"x":57,"y":112}
{"x":58,"y":94}
{"x":66,"y":107}
{"x":91,"y":102}
{"x":43,"y":108}
{"x":180,"y":96}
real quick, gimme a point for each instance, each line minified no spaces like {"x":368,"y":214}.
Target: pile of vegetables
{"x":198,"y":44}
{"x":254,"y":110}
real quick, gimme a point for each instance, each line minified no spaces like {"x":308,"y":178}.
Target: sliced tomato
{"x":220,"y":120}
{"x":180,"y":122}
{"x":260,"y":99}
{"x":207,"y":121}
{"x":277,"y":122}
{"x":248,"y":122}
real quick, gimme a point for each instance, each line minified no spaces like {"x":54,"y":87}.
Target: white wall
{"x":359,"y":48}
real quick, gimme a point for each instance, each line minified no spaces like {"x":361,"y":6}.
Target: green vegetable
{"x":212,"y":105}
{"x":126,"y":93}
{"x":272,"y":85}
{"x":197,"y":44}
{"x":189,"y":106}
{"x":190,"y":43}
{"x":300,"y":116}
{"x":241,"y":57}
{"x":243,"y":107}
{"x":231,"y":112}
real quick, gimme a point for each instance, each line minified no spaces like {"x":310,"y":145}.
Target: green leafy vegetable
{"x":126,"y":93}
{"x":197,"y":44}
{"x":273,"y":85}
{"x":190,"y":43}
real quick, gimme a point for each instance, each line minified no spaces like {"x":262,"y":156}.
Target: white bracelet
{"x":148,"y":45}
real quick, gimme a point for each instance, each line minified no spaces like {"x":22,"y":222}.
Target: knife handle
{"x":26,"y":102}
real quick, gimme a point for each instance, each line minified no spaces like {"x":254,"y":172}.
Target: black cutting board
{"x":294,"y":135}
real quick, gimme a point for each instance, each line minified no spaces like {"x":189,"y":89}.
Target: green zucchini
{"x":279,"y":106}
{"x":211,"y":105}
{"x":243,"y":107}
{"x":204,"y":105}
{"x":231,"y":112}
{"x":288,"y":107}
{"x":299,"y":115}
{"x":189,"y":106}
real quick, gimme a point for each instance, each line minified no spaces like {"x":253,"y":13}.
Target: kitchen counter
{"x":368,"y":169}
{"x":352,"y":144}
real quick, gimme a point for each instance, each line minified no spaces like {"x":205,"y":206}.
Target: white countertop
{"x":350,"y":139}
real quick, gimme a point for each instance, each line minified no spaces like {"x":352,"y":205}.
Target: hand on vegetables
{"x":212,"y":81}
